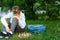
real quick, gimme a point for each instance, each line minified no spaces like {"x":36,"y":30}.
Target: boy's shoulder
{"x":21,"y":13}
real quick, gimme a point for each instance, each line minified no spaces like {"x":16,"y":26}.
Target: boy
{"x":16,"y":18}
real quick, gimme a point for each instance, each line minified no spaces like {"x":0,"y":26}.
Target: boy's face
{"x":16,"y":10}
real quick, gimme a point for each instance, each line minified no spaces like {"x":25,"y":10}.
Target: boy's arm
{"x":4,"y":21}
{"x":22,"y":22}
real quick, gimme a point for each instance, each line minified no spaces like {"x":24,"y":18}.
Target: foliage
{"x":31,"y":6}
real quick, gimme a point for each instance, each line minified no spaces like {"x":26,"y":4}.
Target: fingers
{"x":7,"y":29}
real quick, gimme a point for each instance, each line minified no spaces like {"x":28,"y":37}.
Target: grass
{"x":52,"y":31}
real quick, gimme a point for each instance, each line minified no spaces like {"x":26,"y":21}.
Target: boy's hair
{"x":15,"y":7}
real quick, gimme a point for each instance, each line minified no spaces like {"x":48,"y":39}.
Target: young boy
{"x":16,"y":18}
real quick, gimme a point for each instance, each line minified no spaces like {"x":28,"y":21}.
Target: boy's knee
{"x":15,"y":19}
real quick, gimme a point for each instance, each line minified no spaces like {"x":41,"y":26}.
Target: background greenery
{"x":52,"y":8}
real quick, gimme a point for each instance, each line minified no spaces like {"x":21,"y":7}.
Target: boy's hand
{"x":16,"y":17}
{"x":7,"y":29}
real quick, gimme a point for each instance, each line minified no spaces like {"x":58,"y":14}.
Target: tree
{"x":29,"y":6}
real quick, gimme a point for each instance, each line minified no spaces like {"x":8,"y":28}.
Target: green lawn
{"x":52,"y":32}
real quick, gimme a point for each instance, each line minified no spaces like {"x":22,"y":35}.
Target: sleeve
{"x":3,"y":19}
{"x":22,"y":22}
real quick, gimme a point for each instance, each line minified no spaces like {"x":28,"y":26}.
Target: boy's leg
{"x":12,"y":28}
{"x":19,"y":29}
{"x":3,"y":28}
{"x":13,"y":25}
{"x":3,"y":32}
